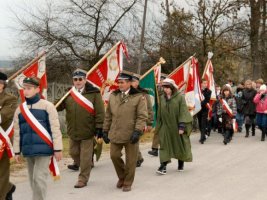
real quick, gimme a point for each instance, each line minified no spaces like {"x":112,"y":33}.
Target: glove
{"x":135,"y":137}
{"x":98,"y":133}
{"x":105,"y":137}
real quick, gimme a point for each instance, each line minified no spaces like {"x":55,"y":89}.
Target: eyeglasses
{"x":77,"y":79}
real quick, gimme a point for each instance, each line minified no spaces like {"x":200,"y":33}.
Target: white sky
{"x":8,"y":36}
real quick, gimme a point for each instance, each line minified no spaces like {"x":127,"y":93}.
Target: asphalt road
{"x":237,"y":171}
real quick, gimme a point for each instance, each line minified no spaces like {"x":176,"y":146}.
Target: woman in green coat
{"x":174,"y":125}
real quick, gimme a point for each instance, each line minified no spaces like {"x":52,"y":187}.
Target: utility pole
{"x":142,"y":42}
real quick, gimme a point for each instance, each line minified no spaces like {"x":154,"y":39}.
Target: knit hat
{"x":168,"y":81}
{"x":263,"y":87}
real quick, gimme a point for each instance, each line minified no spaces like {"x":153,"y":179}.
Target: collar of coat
{"x":131,"y":92}
{"x":89,"y":88}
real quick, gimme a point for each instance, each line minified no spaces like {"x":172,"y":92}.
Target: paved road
{"x":237,"y":171}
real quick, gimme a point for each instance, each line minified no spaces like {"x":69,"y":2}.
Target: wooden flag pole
{"x":90,"y":71}
{"x":210,"y":54}
{"x":161,"y":61}
{"x":174,"y":71}
{"x":33,"y":61}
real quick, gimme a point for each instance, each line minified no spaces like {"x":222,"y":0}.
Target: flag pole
{"x":210,"y":54}
{"x":33,"y":61}
{"x":90,"y":71}
{"x":174,"y":71}
{"x":161,"y":61}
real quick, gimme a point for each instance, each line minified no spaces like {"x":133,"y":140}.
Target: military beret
{"x":136,"y":76}
{"x":79,"y":73}
{"x":31,"y":81}
{"x":3,"y":76}
{"x":125,"y":75}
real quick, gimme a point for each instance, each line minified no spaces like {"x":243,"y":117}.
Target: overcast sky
{"x":8,"y":37}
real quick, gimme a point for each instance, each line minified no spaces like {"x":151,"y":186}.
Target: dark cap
{"x":31,"y":81}
{"x":136,"y":76}
{"x":79,"y":73}
{"x":125,"y":75}
{"x":3,"y":76}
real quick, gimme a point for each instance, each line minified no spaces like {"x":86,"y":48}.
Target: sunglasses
{"x":77,"y":79}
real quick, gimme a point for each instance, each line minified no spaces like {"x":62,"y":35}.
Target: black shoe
{"x":201,"y":141}
{"x":9,"y":194}
{"x":225,"y":142}
{"x":180,"y":166}
{"x":162,"y":169}
{"x":73,"y":167}
{"x":139,"y":162}
{"x":153,"y":152}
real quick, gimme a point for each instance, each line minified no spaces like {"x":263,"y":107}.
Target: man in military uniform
{"x":125,"y":119}
{"x":150,"y":119}
{"x":84,"y":116}
{"x":155,"y":141}
{"x":8,"y":104}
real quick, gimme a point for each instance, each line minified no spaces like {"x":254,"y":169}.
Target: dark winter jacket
{"x":249,"y":105}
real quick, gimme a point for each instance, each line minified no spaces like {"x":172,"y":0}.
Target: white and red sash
{"x":229,"y":111}
{"x":5,"y":143}
{"x":82,"y":101}
{"x":226,"y":107}
{"x":42,"y":133}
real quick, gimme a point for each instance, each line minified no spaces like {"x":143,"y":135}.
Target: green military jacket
{"x":81,"y":124}
{"x":124,"y":115}
{"x":8,"y":105}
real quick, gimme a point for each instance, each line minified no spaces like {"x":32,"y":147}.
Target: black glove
{"x":105,"y":137}
{"x":98,"y":133}
{"x":135,"y":136}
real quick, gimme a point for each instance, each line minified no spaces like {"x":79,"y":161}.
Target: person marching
{"x":37,"y":136}
{"x":174,"y":126}
{"x":125,"y":119}
{"x":203,"y":114}
{"x":8,"y":105}
{"x":261,"y":106}
{"x":155,"y":141}
{"x":84,"y":115}
{"x":227,"y":112}
{"x":249,"y":107}
{"x":135,"y":84}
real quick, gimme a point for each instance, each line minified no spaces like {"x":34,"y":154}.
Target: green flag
{"x":149,"y":83}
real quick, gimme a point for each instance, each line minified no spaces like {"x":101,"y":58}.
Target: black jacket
{"x":249,"y":105}
{"x":207,"y":94}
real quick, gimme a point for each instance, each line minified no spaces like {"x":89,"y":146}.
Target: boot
{"x":247,"y":130}
{"x":180,"y":165}
{"x":73,"y":167}
{"x":162,"y":168}
{"x":263,"y":132}
{"x":139,"y":162}
{"x":253,"y":129}
{"x":9,"y":194}
{"x":153,"y":152}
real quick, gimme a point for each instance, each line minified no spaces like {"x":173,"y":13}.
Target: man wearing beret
{"x":150,"y":119}
{"x":8,"y":104}
{"x":84,"y":116}
{"x":125,"y":119}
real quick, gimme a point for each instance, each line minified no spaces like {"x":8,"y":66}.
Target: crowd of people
{"x":128,"y":115}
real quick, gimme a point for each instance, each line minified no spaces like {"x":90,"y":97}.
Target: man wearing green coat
{"x":150,"y":119}
{"x":84,"y":117}
{"x":125,"y":119}
{"x":174,"y":125}
{"x":8,"y":104}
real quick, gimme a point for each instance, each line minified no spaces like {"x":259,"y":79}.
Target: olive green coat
{"x":171,"y":113}
{"x":8,"y":105}
{"x":124,"y":115}
{"x":81,"y":124}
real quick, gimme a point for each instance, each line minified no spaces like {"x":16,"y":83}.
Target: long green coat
{"x":171,"y":113}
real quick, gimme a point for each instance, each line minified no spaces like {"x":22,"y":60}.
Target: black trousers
{"x":203,"y":123}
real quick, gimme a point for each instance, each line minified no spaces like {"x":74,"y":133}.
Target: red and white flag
{"x":180,"y":74}
{"x":157,"y":72}
{"x":5,"y":142}
{"x":38,"y":70}
{"x":104,"y":77}
{"x":193,"y":95}
{"x":208,"y":76}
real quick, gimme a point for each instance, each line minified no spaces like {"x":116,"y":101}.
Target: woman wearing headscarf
{"x":174,"y":125}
